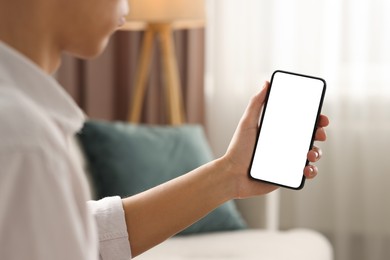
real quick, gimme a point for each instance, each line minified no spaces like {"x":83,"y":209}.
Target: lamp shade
{"x":155,"y":11}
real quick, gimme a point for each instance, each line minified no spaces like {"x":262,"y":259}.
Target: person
{"x":45,"y":208}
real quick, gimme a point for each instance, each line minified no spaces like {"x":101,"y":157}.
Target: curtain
{"x":347,"y":43}
{"x":103,"y":87}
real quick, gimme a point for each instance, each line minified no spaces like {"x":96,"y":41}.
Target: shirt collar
{"x":43,"y":89}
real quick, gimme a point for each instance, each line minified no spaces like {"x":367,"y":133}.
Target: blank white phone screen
{"x":287,"y":129}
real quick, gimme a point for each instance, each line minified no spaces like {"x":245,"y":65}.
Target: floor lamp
{"x":159,"y":18}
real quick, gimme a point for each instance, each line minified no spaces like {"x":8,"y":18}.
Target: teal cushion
{"x":126,"y":159}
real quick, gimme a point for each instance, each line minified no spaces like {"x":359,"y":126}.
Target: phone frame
{"x":313,"y":132}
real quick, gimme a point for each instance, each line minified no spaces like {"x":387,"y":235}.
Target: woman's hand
{"x":158,"y":213}
{"x":239,"y":153}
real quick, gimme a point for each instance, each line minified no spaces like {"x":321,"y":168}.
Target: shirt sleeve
{"x":113,"y":237}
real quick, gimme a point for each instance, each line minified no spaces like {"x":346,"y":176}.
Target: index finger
{"x":323,"y":122}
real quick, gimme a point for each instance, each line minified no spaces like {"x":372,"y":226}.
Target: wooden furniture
{"x":159,"y":20}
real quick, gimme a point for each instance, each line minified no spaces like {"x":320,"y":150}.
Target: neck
{"x":29,"y":34}
{"x":47,"y":58}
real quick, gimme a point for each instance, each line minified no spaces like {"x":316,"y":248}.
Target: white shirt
{"x":43,"y":192}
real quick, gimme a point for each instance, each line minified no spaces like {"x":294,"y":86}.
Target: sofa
{"x":124,"y":159}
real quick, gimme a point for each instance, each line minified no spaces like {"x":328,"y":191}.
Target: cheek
{"x":108,"y":19}
{"x":91,"y":34}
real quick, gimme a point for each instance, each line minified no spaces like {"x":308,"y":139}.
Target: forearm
{"x":159,"y":213}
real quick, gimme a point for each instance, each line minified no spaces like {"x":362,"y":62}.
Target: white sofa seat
{"x":299,"y":244}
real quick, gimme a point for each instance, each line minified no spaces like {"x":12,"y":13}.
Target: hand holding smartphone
{"x":287,"y":129}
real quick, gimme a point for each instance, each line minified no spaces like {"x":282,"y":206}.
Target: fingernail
{"x":312,"y":173}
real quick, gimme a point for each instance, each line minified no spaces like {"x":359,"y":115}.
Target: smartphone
{"x":287,"y":128}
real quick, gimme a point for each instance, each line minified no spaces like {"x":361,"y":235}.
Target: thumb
{"x":253,"y":110}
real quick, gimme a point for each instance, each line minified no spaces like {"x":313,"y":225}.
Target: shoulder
{"x":22,"y":121}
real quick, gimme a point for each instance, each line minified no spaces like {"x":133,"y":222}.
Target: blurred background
{"x":347,"y":43}
{"x":222,"y":65}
